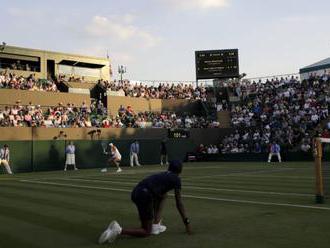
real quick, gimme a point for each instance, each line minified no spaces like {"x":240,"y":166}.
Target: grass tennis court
{"x":229,"y":204}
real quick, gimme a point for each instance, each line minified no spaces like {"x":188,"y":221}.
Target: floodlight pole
{"x":121,"y":71}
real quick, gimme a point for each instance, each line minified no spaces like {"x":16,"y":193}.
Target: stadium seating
{"x":286,"y":110}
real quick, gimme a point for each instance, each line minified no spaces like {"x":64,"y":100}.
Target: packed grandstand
{"x":287,"y":110}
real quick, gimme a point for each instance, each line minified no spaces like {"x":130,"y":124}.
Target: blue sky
{"x":156,"y":39}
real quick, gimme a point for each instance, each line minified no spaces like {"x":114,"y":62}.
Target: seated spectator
{"x":162,"y":91}
{"x":12,"y":81}
{"x":283,"y":109}
{"x":201,"y":149}
{"x":305,"y":147}
{"x":326,"y":133}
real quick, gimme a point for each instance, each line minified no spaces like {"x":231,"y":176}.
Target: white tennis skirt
{"x":70,"y":159}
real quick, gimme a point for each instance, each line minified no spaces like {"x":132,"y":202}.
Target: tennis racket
{"x":104,"y":145}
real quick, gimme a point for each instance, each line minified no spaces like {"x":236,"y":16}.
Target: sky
{"x":156,"y":39}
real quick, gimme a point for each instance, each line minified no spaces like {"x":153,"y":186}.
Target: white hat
{"x":110,"y":144}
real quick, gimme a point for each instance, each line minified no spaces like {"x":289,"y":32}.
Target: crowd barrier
{"x":11,"y":96}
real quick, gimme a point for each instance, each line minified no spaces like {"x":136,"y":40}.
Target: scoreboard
{"x":213,"y":64}
{"x":175,"y":133}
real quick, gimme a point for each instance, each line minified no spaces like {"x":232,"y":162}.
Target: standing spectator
{"x":163,"y":152}
{"x":70,"y":156}
{"x":275,"y":149}
{"x":134,"y":152}
{"x":4,"y":158}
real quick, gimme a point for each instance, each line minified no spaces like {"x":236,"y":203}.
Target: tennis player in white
{"x":4,"y":158}
{"x":114,"y":157}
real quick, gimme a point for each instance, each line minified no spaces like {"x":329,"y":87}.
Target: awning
{"x":80,"y":64}
{"x":321,"y":65}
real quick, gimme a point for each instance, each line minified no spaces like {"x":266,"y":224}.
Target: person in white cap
{"x":114,"y":157}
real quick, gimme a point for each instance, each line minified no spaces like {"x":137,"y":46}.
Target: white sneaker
{"x":119,"y":170}
{"x":104,"y":170}
{"x":106,"y":234}
{"x":75,"y":168}
{"x":157,"y":229}
{"x":139,"y":165}
{"x":110,"y":234}
{"x":115,"y":230}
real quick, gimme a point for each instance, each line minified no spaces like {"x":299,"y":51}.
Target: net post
{"x":319,"y":197}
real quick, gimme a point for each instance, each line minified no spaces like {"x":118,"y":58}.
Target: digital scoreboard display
{"x":178,"y":133}
{"x":213,"y":64}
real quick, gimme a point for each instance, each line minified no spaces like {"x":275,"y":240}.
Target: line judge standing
{"x":70,"y":156}
{"x":134,"y":152}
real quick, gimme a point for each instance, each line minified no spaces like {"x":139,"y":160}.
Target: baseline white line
{"x":195,"y":187}
{"x":188,"y":196}
{"x":265,"y":176}
{"x":134,"y":172}
{"x":74,"y":186}
{"x":242,"y":173}
{"x":250,"y":191}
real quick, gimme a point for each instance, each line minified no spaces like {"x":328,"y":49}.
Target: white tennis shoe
{"x":105,"y":235}
{"x":110,"y":234}
{"x":115,"y":230}
{"x":158,"y":228}
{"x":119,"y":170}
{"x":104,"y":170}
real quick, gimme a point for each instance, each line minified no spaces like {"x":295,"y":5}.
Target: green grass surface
{"x":229,"y":204}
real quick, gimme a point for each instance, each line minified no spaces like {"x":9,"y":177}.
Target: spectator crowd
{"x":12,"y":81}
{"x":59,"y":116}
{"x":127,"y":117}
{"x":96,"y":116}
{"x":162,"y":91}
{"x":285,"y":110}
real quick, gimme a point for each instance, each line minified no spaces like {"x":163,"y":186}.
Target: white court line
{"x":250,"y":191}
{"x":195,"y":187}
{"x":243,"y":173}
{"x":154,"y":169}
{"x":134,"y":172}
{"x":186,"y":196}
{"x":263,"y":176}
{"x":74,"y":186}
